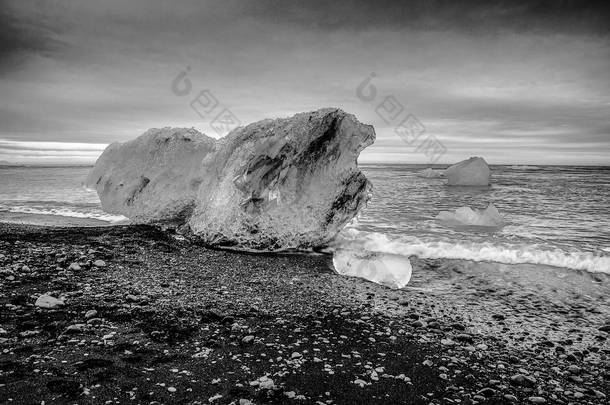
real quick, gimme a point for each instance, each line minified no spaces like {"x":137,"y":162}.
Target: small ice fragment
{"x":490,"y":216}
{"x":430,"y":173}
{"x":388,"y":269}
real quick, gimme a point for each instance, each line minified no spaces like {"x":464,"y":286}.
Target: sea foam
{"x":474,"y":251}
{"x":66,"y":212}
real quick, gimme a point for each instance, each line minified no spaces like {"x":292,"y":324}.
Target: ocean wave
{"x":14,"y":202}
{"x":523,"y":167}
{"x":474,"y":251}
{"x":65,"y":212}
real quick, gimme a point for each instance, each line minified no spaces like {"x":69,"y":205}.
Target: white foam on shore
{"x":66,"y":212}
{"x":489,"y":252}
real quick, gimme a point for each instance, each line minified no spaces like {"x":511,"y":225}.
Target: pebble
{"x":576,"y":379}
{"x":248,"y":339}
{"x":76,"y":328}
{"x":92,"y":313}
{"x":74,"y":267}
{"x":266,"y":383}
{"x":522,"y":380}
{"x":574,"y":369}
{"x":214,"y":398}
{"x":99,"y":263}
{"x":48,"y":302}
{"x":487,"y":392}
{"x":463,"y":337}
{"x":537,"y":400}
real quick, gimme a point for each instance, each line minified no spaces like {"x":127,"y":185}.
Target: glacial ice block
{"x":469,"y":172}
{"x":274,"y":184}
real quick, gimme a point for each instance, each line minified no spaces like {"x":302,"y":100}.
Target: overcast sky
{"x":512,"y":82}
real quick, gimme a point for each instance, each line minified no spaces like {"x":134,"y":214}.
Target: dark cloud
{"x":482,"y":76}
{"x":472,"y":15}
{"x":22,"y":35}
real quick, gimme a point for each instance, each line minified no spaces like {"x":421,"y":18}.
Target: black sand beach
{"x":165,"y":321}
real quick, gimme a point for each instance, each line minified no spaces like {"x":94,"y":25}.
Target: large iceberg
{"x":469,"y":172}
{"x":274,"y":184}
{"x":490,"y":216}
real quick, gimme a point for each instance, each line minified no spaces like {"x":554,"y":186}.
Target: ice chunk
{"x":154,"y":178}
{"x":470,"y":172}
{"x":490,"y":216}
{"x":388,"y":269}
{"x":430,"y":173}
{"x":274,"y":184}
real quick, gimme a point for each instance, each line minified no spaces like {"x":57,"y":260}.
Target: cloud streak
{"x":49,"y":152}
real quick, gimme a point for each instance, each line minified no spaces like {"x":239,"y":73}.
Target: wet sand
{"x":166,"y":321}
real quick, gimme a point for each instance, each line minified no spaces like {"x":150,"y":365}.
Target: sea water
{"x":552,"y":215}
{"x":55,"y":191}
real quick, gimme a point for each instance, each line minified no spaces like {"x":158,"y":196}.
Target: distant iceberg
{"x":469,"y":172}
{"x":430,"y":173}
{"x":387,"y":269}
{"x":490,"y":216}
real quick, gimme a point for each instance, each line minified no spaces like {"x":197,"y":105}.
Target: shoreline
{"x":49,"y":220}
{"x":181,"y":323}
